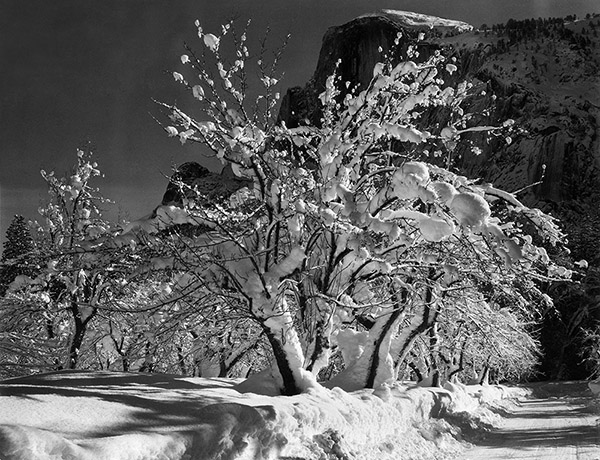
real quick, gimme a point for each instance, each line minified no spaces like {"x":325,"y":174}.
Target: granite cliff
{"x":543,"y":75}
{"x":193,"y":181}
{"x":354,"y":48}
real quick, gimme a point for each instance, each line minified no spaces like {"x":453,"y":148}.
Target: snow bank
{"x":475,"y":408}
{"x":594,"y":387}
{"x":21,"y":442}
{"x":113,"y":416}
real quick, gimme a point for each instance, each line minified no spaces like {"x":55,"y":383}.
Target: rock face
{"x":360,"y":44}
{"x":538,"y":73}
{"x":354,"y":48}
{"x":193,"y":181}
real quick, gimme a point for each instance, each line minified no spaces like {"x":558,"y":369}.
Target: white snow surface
{"x":418,"y":20}
{"x":119,"y":416}
{"x":594,"y":387}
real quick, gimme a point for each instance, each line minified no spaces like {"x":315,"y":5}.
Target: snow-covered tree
{"x":472,"y":338}
{"x":148,"y":329}
{"x":17,"y":246}
{"x":353,"y":235}
{"x":33,"y":335}
{"x":76,"y":273}
{"x":75,"y":262}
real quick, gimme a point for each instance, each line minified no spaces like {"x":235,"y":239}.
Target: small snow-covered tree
{"x":342,"y":241}
{"x":76,"y":260}
{"x":76,"y":274}
{"x":18,"y":239}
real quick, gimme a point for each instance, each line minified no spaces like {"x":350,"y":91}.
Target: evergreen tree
{"x":17,"y":245}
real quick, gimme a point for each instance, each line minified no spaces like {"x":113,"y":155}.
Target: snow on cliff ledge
{"x":417,"y":20}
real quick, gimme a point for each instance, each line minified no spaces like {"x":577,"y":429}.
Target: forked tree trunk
{"x":81,"y":324}
{"x":380,"y":366}
{"x":375,"y":365}
{"x":285,"y":343}
{"x":284,"y":365}
{"x":320,"y":348}
{"x":316,"y":316}
{"x":423,"y":319}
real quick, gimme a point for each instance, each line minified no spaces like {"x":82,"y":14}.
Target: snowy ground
{"x":560,"y":422}
{"x":114,"y":416}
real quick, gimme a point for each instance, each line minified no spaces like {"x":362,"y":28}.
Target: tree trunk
{"x":417,"y":371}
{"x":418,"y":324}
{"x":79,"y":334}
{"x":485,"y":376}
{"x":50,"y":329}
{"x":228,"y":363}
{"x":458,"y":363}
{"x":278,"y":324}
{"x":375,"y":364}
{"x":434,"y":370}
{"x":290,"y":386}
{"x":380,"y":355}
{"x":76,"y":344}
{"x":321,"y":347}
{"x":181,"y":361}
{"x":148,"y":365}
{"x":423,"y":319}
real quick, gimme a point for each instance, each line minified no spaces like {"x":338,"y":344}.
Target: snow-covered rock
{"x":418,"y":21}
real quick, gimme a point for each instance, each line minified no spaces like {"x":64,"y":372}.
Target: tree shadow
{"x":540,"y":415}
{"x":528,"y":438}
{"x":154,"y":401}
{"x":544,"y":390}
{"x":69,"y":378}
{"x":552,"y":408}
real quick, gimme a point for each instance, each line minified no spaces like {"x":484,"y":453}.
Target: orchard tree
{"x":78,"y":262}
{"x":340,"y":242}
{"x":97,"y":300}
{"x":77,"y":273}
{"x":474,"y":338}
{"x":149,"y":329}
{"x":33,"y":334}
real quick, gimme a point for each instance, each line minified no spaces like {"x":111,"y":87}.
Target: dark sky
{"x":79,"y":71}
